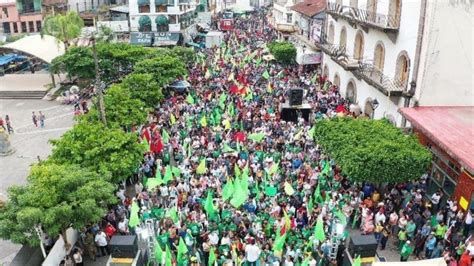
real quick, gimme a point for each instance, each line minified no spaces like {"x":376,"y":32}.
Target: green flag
{"x":164,"y":136}
{"x":209,"y":205}
{"x":274,"y":168}
{"x":158,"y":253}
{"x":312,"y":131}
{"x":203,"y":121}
{"x":306,"y":261}
{"x":173,"y":214}
{"x":182,"y":250}
{"x":239,"y":197}
{"x":357,"y":261}
{"x":317,"y":194}
{"x":168,"y":257}
{"x":134,"y":219}
{"x":227,"y":149}
{"x":319,"y":230}
{"x":257,"y":137}
{"x":279,"y":242}
{"x":176,"y":171}
{"x":266,"y":75}
{"x":228,"y":190}
{"x":190,"y":99}
{"x":222,"y":100}
{"x":341,"y":217}
{"x":152,"y":183}
{"x":310,"y":205}
{"x":237,"y":172}
{"x":168,"y":175}
{"x":212,"y":256}
{"x":201,"y":169}
{"x":146,"y":144}
{"x":231,"y":109}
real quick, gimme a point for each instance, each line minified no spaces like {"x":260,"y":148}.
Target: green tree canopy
{"x":123,"y":110}
{"x":372,"y":150}
{"x":284,"y":52}
{"x":105,"y":150}
{"x":164,"y":69}
{"x":56,"y":197}
{"x":64,"y":27}
{"x":76,"y":62}
{"x":143,"y":87}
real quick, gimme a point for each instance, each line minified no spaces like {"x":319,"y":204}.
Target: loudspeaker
{"x":296,"y":97}
{"x":363,"y":245}
{"x":123,"y":246}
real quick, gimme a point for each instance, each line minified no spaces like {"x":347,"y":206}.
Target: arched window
{"x":379,"y":56}
{"x":359,"y":46}
{"x":144,"y":24}
{"x":371,"y":10}
{"x":343,"y":38}
{"x":402,"y":70}
{"x":354,"y":3}
{"x":337,"y":80}
{"x":395,"y":10}
{"x":326,"y":71}
{"x":368,"y":108}
{"x":331,"y":33}
{"x":351,"y":92}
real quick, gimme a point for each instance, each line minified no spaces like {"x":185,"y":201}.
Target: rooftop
{"x":310,"y":8}
{"x":451,"y":128}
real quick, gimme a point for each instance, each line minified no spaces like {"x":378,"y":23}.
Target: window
{"x":162,"y":28}
{"x":354,"y":3}
{"x":359,"y":46}
{"x":144,"y":9}
{"x":38,"y":25}
{"x":160,"y":9}
{"x":351,"y":92}
{"x":402,"y":70}
{"x":15,"y":27}
{"x":394,"y":12}
{"x":331,"y":33}
{"x":23,"y":27}
{"x":173,"y":19}
{"x":343,"y":38}
{"x":337,"y":80}
{"x":326,"y":71}
{"x":31,"y":26}
{"x":289,"y":18}
{"x":339,"y":2}
{"x":379,"y":56}
{"x":6,"y":27}
{"x":5,"y":12}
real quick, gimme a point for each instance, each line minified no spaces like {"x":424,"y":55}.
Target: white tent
{"x":432,"y":262}
{"x":45,"y":48}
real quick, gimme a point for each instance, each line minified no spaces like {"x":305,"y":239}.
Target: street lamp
{"x":374,"y":103}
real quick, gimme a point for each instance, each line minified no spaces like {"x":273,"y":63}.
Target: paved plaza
{"x":29,"y":142}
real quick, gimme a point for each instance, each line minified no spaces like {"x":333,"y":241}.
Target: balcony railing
{"x":364,"y":17}
{"x":373,"y":76}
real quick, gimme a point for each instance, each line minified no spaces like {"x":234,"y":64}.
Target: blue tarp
{"x":8,"y":58}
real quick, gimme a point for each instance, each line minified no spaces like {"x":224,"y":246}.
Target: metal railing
{"x":364,"y":16}
{"x":377,"y":78}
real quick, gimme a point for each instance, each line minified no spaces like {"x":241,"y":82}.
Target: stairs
{"x":22,"y":94}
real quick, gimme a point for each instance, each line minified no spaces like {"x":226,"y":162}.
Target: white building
{"x":369,"y":50}
{"x":283,"y":18}
{"x":401,"y":53}
{"x":164,"y":16}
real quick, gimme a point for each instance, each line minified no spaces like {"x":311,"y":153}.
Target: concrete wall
{"x":404,"y":43}
{"x":446,"y":75}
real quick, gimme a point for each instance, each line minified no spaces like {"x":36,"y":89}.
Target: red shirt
{"x":465,"y":260}
{"x":110,"y":230}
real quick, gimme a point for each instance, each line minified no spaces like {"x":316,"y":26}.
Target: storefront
{"x":141,"y":38}
{"x":155,"y":38}
{"x":447,"y":132}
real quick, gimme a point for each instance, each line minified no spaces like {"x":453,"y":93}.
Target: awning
{"x":143,"y":2}
{"x":8,"y":58}
{"x":166,"y":38}
{"x":144,"y":21}
{"x":161,"y":20}
{"x":141,"y":38}
{"x":120,"y":9}
{"x":161,"y":2}
{"x":193,"y":44}
{"x":45,"y":48}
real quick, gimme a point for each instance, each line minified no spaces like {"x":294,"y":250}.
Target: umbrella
{"x":180,"y":85}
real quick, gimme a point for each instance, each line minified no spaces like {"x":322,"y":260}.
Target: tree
{"x":57,"y":196}
{"x":143,"y":87}
{"x":77,"y":62}
{"x":164,"y":69}
{"x":186,"y":54}
{"x":372,"y":150}
{"x":123,"y":110}
{"x":63,"y":27}
{"x":284,"y":52}
{"x":105,"y":150}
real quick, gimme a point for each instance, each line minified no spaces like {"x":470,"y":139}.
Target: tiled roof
{"x":310,"y":7}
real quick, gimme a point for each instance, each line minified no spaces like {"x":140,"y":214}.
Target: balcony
{"x":376,"y":78}
{"x":387,"y":23}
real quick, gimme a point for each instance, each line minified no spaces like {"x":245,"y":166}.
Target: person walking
{"x":9,"y":124}
{"x":2,"y":124}
{"x":35,"y":119}
{"x":77,"y":257}
{"x":41,"y":119}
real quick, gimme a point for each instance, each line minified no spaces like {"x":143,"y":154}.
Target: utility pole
{"x":98,"y":86}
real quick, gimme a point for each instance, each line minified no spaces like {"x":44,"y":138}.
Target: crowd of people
{"x":227,"y":181}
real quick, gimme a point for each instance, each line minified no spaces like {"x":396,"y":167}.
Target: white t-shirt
{"x":101,"y":239}
{"x":380,"y":218}
{"x":468,"y":218}
{"x":77,"y":258}
{"x":435,"y":199}
{"x":252,"y":253}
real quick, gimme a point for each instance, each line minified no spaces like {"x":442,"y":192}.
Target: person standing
{"x":77,"y":257}
{"x":41,"y":119}
{"x":252,"y":253}
{"x":466,"y":259}
{"x":101,"y":241}
{"x":9,"y":124}
{"x":35,"y":119}
{"x":90,"y":246}
{"x":406,"y":251}
{"x":467,"y":222}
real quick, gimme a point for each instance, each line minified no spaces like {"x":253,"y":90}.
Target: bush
{"x":284,"y":52}
{"x":372,"y":150}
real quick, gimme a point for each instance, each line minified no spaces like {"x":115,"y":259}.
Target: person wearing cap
{"x":406,"y":251}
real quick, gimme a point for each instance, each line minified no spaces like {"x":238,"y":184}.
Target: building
{"x":449,"y":133}
{"x":310,"y":18}
{"x":21,"y":16}
{"x":388,"y":54}
{"x":283,"y":18}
